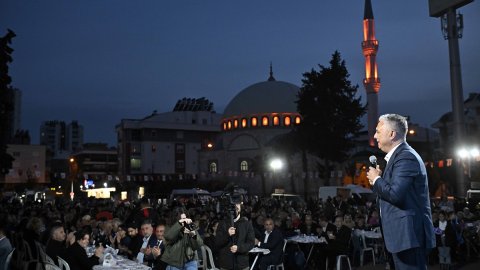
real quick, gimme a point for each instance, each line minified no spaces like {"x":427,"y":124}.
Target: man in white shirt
{"x":272,"y":239}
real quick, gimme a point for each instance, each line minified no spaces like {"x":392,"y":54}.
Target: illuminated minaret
{"x":371,"y":81}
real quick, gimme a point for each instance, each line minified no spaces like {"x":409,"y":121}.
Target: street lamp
{"x":275,"y":164}
{"x":468,"y":154}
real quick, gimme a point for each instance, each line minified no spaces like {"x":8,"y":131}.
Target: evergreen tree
{"x":331,"y":113}
{"x":6,"y":102}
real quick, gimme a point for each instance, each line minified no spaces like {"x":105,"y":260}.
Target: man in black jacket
{"x":234,"y":241}
{"x":272,"y":239}
{"x":56,"y":243}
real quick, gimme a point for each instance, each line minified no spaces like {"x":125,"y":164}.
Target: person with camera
{"x":234,"y":240}
{"x":182,"y":243}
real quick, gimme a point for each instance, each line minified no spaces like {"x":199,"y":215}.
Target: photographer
{"x":234,"y":241}
{"x":182,"y":243}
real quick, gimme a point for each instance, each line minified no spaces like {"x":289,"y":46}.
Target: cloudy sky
{"x":98,"y":61}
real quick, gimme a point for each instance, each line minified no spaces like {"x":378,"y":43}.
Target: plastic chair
{"x":365,"y":248}
{"x":51,"y":266}
{"x":280,"y":265}
{"x":339,"y":260}
{"x":207,"y":257}
{"x":8,"y":260}
{"x":202,"y":260}
{"x":63,"y":264}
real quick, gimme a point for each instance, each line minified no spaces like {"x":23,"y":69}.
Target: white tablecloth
{"x":123,"y":264}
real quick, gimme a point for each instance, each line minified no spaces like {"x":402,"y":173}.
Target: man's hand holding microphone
{"x":374,"y":171}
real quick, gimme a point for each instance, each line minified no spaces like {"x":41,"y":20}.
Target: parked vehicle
{"x":185,"y":195}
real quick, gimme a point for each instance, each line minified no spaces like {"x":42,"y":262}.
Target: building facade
{"x":166,"y":145}
{"x":28,"y":166}
{"x":95,"y":161}
{"x":61,"y":138}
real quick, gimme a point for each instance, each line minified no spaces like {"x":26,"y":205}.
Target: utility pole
{"x":452,"y":26}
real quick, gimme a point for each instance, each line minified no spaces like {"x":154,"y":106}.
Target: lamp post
{"x":468,"y":153}
{"x":275,"y":164}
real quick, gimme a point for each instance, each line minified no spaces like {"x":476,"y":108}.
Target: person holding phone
{"x":159,"y":249}
{"x":145,"y":255}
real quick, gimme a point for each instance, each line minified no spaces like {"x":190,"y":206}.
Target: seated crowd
{"x":79,"y":232}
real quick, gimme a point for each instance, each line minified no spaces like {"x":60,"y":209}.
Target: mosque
{"x":243,"y":153}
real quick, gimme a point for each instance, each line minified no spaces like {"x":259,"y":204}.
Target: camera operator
{"x":182,"y":243}
{"x":234,"y":241}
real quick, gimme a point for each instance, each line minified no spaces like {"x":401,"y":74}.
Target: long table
{"x":123,"y":264}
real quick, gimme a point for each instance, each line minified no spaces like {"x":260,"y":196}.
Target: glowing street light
{"x":105,"y":184}
{"x":468,"y":154}
{"x":276,"y":164}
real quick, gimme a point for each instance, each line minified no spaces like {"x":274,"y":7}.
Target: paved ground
{"x":475,"y":265}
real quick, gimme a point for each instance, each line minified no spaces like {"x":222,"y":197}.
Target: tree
{"x":6,"y":102}
{"x":331,"y":113}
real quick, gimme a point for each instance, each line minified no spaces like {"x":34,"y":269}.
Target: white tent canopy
{"x":358,"y":189}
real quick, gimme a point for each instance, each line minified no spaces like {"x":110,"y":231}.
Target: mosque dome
{"x":264,"y":104}
{"x":269,"y":96}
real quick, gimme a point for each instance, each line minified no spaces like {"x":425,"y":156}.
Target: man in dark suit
{"x":403,"y":196}
{"x":272,"y":239}
{"x":145,"y":255}
{"x":335,"y":241}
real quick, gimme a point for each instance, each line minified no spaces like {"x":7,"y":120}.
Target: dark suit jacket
{"x":405,"y":202}
{"x":134,"y":246}
{"x":77,"y":258}
{"x":330,"y":228}
{"x":275,"y":245}
{"x":152,"y":241}
{"x":340,"y":244}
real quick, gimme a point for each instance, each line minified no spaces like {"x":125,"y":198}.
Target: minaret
{"x":371,"y":81}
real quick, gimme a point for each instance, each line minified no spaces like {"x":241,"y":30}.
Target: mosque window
{"x":244,"y":122}
{"x":212,"y":167}
{"x":276,"y":120}
{"x":254,"y":121}
{"x":243,"y":166}
{"x":265,"y":121}
{"x":235,"y":123}
{"x":297,"y":120}
{"x":229,"y":124}
{"x":224,"y":125}
{"x":287,"y":121}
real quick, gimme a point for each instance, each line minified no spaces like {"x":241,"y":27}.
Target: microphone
{"x":373,"y":161}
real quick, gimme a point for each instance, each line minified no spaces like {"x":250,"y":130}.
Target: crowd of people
{"x":169,"y":235}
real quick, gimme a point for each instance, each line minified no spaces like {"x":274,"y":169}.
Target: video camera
{"x":231,"y":196}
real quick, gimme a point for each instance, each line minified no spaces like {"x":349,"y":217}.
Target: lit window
{"x":244,"y":166}
{"x":135,"y":164}
{"x":229,"y":125}
{"x":212,"y":168}
{"x":254,"y":121}
{"x":297,"y":120}
{"x":224,"y":126}
{"x":244,"y":123}
{"x":235,"y":123}
{"x":276,"y":120}
{"x":287,"y":121}
{"x":265,"y":121}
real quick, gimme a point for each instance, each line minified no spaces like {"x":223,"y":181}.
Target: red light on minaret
{"x":371,"y":81}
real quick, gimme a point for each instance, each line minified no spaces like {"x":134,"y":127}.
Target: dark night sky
{"x":98,"y":61}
